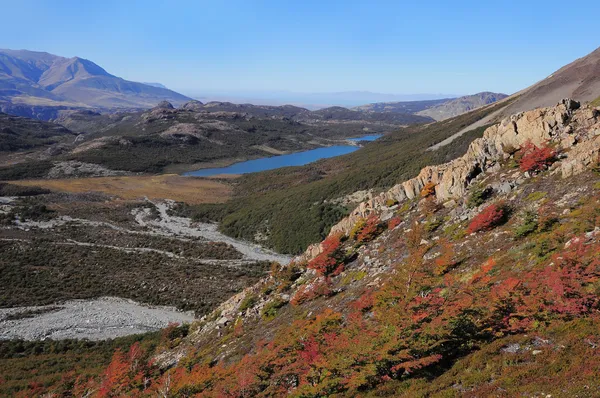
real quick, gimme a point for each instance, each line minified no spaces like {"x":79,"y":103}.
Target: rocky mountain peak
{"x":164,"y":105}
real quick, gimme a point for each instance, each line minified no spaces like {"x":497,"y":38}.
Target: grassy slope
{"x":264,"y":200}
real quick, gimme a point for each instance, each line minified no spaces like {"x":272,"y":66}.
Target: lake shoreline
{"x":292,"y":159}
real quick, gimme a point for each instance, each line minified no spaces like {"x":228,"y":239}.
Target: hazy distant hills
{"x":333,"y":114}
{"x":40,"y":79}
{"x":401,"y":106}
{"x":438,"y":109}
{"x":461,"y":105}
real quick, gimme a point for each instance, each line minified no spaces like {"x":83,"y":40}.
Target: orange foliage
{"x":445,"y":260}
{"x":428,"y":190}
{"x":370,"y":230}
{"x":394,"y":222}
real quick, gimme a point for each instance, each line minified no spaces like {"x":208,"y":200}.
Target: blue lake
{"x":275,"y":162}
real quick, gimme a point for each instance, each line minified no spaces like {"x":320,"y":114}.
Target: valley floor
{"x":63,"y":253}
{"x":98,"y":319}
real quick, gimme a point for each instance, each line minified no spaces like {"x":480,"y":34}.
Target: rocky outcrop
{"x":576,"y":131}
{"x":164,"y":105}
{"x":194,"y":106}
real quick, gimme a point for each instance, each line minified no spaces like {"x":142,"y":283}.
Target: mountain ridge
{"x":40,"y":78}
{"x":437,"y":109}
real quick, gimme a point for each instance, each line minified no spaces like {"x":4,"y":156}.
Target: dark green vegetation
{"x":39,"y":272}
{"x":263,"y":202}
{"x":19,"y":133}
{"x":7,"y":189}
{"x":21,"y":171}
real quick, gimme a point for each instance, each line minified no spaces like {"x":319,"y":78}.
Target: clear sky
{"x":402,"y":47}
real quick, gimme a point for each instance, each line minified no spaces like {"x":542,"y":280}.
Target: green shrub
{"x":433,"y":223}
{"x":7,"y":189}
{"x":527,"y":226}
{"x":248,"y":302}
{"x":269,"y":311}
{"x":478,"y":196}
{"x":535,"y":196}
{"x":391,"y":202}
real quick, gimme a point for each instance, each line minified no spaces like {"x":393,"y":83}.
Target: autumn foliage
{"x":367,"y":230}
{"x":330,"y":260}
{"x":394,"y":222}
{"x":536,"y":158}
{"x":428,"y":190}
{"x":394,"y":338}
{"x":492,"y":216}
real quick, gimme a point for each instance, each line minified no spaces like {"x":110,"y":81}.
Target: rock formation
{"x":575,"y":131}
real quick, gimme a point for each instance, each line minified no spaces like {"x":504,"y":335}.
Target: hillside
{"x":461,"y":105}
{"x":408,"y":107}
{"x":320,"y":193}
{"x":30,"y":78}
{"x":436,"y":109}
{"x":476,"y":278}
{"x":579,"y":80}
{"x":195,"y":135}
{"x":19,"y":133}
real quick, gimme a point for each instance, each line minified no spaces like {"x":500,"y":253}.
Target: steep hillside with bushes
{"x":479,"y":277}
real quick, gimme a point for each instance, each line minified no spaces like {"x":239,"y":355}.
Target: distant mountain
{"x":401,"y":107}
{"x":155,"y":85}
{"x":438,"y":109}
{"x":339,"y":114}
{"x":461,"y":105}
{"x":311,"y":101}
{"x":41,"y":79}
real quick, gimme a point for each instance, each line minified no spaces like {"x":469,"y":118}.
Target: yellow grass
{"x":167,"y":186}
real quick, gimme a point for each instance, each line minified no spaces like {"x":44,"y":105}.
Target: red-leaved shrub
{"x":321,"y":288}
{"x":489,"y":218}
{"x":536,"y":158}
{"x":394,"y":222}
{"x":370,"y":230}
{"x":329,"y":261}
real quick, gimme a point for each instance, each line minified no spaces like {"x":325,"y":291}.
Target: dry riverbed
{"x":98,"y":319}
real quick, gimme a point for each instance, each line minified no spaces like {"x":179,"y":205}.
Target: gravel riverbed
{"x":97,"y":319}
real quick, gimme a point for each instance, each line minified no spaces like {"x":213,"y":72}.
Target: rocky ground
{"x":98,"y":319}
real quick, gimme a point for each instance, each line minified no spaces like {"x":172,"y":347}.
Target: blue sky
{"x":400,"y":47}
